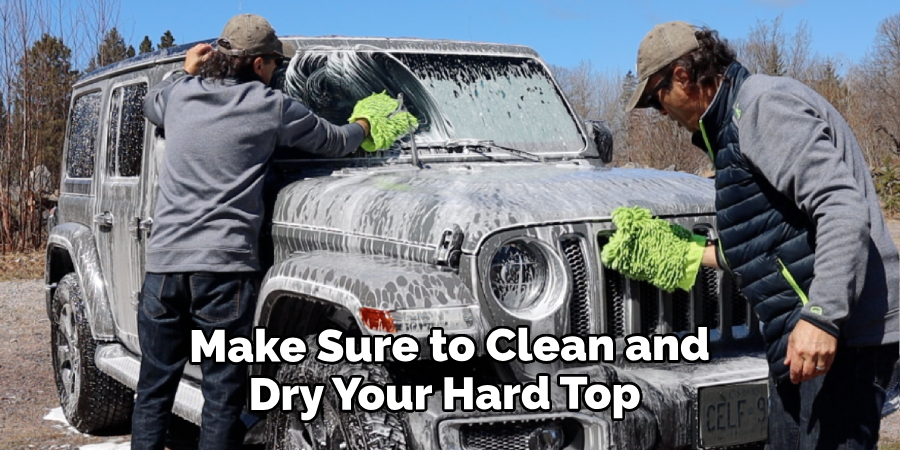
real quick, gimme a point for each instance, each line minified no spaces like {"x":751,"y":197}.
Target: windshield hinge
{"x":411,"y":130}
{"x":450,"y":247}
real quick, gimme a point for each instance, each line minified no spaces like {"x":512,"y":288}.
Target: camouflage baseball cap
{"x":663,"y":44}
{"x":251,"y":35}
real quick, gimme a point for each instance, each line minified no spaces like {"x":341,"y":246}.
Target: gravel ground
{"x":27,"y":388}
{"x":890,"y":425}
{"x":30,"y":416}
{"x":28,"y":391}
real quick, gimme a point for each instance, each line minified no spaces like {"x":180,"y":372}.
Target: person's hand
{"x":650,"y":249}
{"x":195,"y":58}
{"x":388,"y":120}
{"x":365,"y":125}
{"x":810,"y":352}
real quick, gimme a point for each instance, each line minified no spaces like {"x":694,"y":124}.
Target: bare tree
{"x":95,"y":19}
{"x":658,"y":142}
{"x":43,"y":41}
{"x":764,"y":49}
{"x":769,"y":50}
{"x":595,"y":96}
{"x":884,"y":76}
{"x":823,"y":76}
{"x":18,"y":25}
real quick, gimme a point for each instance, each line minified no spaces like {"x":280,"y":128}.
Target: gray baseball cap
{"x":251,"y":35}
{"x":663,"y":44}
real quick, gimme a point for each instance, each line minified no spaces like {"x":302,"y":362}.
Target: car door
{"x":117,"y":221}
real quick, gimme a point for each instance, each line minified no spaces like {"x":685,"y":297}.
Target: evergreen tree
{"x":629,"y":84}
{"x":146,"y":45}
{"x":41,"y":99}
{"x":112,"y":49}
{"x":830,"y":85}
{"x":773,"y":60}
{"x":130,"y":53}
{"x":166,"y":40}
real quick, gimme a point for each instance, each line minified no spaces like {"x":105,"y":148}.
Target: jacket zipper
{"x":790,"y":279}
{"x":708,"y":147}
{"x":713,"y":159}
{"x":722,"y":258}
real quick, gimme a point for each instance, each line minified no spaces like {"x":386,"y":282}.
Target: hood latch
{"x":450,"y":247}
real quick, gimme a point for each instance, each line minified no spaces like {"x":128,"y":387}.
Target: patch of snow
{"x":57,"y":415}
{"x":110,"y":445}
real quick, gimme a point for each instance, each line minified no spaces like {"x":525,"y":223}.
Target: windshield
{"x":508,"y":100}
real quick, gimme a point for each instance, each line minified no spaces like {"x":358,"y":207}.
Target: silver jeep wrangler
{"x":493,"y":213}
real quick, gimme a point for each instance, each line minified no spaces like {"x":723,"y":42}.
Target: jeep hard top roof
{"x":303,"y":43}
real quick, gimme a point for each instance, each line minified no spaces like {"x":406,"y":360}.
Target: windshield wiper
{"x":472,"y":144}
{"x":475,"y":145}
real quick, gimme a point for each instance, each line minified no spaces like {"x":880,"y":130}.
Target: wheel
{"x":91,"y":400}
{"x":332,"y":428}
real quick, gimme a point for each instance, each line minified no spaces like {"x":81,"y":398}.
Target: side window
{"x":83,"y":123}
{"x":126,"y":130}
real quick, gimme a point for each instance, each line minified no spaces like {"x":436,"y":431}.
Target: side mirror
{"x":602,"y":136}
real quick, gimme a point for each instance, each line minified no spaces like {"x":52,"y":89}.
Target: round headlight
{"x":518,"y":275}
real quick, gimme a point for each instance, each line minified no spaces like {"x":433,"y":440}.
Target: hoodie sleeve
{"x":157,"y":97}
{"x":783,"y":133}
{"x":303,"y":130}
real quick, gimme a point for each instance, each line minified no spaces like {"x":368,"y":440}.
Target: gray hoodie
{"x":219,"y":138}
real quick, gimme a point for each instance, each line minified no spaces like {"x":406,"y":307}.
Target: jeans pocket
{"x":151,"y":293}
{"x":216,"y":297}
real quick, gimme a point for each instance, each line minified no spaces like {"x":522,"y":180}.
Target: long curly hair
{"x":219,"y":66}
{"x":707,"y":63}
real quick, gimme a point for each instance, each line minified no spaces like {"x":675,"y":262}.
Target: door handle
{"x":138,"y":226}
{"x":146,"y":225}
{"x":104,"y":220}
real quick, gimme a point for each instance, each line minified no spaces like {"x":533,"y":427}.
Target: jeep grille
{"x":492,"y":436}
{"x":631,"y":306}
{"x":579,"y":305}
{"x":511,"y":435}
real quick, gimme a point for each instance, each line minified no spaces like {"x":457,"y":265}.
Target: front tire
{"x":91,"y":400}
{"x":333,"y":428}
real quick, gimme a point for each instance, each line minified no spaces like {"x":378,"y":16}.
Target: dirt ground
{"x":28,"y":391}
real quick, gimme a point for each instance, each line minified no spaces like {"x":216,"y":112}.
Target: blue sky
{"x":564,"y":32}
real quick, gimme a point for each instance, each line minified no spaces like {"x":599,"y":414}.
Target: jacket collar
{"x":719,"y":110}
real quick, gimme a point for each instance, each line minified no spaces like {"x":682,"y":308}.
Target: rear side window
{"x":83,"y":123}
{"x":126,"y":130}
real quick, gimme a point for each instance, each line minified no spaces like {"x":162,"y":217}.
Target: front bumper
{"x":667,"y":417}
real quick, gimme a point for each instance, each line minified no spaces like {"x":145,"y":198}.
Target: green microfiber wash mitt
{"x":653,"y":250}
{"x":386,"y":123}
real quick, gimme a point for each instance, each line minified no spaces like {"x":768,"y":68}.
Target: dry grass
{"x":21,"y":266}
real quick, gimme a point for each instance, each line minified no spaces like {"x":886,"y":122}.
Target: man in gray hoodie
{"x":202,"y":258}
{"x":800,"y":227}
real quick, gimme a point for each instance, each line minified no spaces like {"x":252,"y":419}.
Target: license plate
{"x":733,"y":414}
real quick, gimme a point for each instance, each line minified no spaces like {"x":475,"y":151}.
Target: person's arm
{"x":711,"y":256}
{"x":787,"y":140}
{"x":157,"y":96}
{"x":303,"y":130}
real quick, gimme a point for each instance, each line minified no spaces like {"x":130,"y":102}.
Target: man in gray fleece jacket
{"x":799,"y":225}
{"x":202,"y":258}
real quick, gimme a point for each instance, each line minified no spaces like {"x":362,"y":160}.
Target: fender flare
{"x":78,"y":241}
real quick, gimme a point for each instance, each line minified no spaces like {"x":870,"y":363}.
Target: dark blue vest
{"x":767,"y":242}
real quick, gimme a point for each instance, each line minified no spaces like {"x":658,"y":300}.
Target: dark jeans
{"x":171,"y":306}
{"x":840,"y":410}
